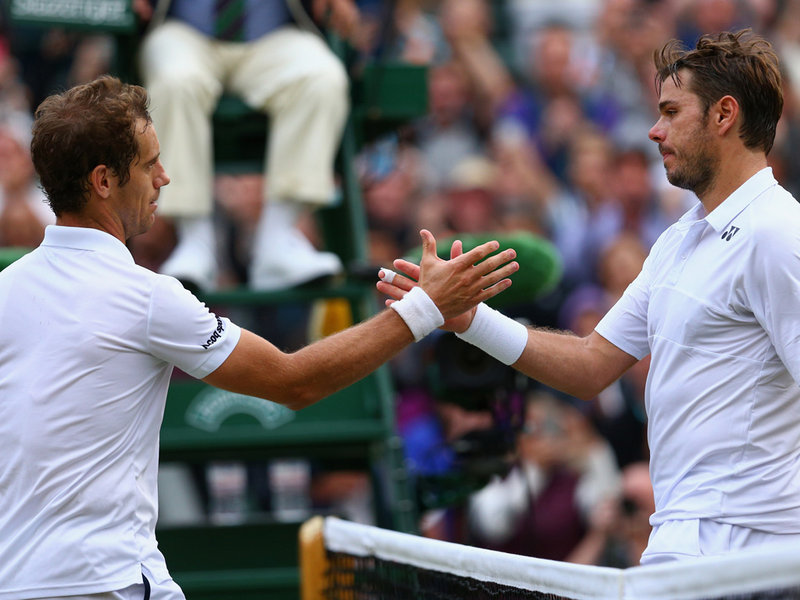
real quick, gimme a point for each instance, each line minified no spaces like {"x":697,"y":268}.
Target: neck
{"x":734,"y":170}
{"x":92,"y":221}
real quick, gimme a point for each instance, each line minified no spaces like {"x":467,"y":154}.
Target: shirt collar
{"x":751,"y":189}
{"x":86,"y":238}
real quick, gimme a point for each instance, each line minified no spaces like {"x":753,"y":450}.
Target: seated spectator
{"x":188,"y":58}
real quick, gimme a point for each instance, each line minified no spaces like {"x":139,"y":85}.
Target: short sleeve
{"x":184,"y":332}
{"x":625,"y":324}
{"x":772,"y":287}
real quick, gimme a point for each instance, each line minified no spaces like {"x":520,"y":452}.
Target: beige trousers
{"x":290,"y":74}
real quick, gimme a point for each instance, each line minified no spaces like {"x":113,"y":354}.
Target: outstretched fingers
{"x":409,"y":268}
{"x":478,"y":253}
{"x":495,"y":268}
{"x":497,"y":281}
{"x":457,"y":249}
{"x":428,"y":246}
{"x":393,"y":284}
{"x":496,"y":261}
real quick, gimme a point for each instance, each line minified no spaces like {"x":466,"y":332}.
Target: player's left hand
{"x":397,"y":284}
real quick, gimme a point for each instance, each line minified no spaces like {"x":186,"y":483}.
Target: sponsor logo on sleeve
{"x":217,"y":335}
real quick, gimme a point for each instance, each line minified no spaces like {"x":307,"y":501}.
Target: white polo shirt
{"x":87,"y":345}
{"x":717,"y":305}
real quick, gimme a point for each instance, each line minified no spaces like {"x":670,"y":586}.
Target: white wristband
{"x":496,"y":334}
{"x":419,"y":312}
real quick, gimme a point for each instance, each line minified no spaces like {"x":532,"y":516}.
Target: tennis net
{"x":348,"y":561}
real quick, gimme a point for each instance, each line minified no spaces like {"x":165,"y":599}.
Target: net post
{"x":314,"y":565}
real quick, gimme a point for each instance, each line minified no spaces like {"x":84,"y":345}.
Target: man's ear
{"x":100,"y":180}
{"x":726,"y":113}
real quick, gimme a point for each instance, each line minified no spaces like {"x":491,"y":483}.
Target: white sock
{"x":279,"y":216}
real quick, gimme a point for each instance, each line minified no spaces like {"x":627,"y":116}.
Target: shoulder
{"x":774,"y":220}
{"x":770,"y":235}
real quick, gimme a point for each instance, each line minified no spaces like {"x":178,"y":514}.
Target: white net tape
{"x":736,"y":575}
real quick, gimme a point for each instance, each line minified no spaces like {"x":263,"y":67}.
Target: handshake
{"x":452,"y":293}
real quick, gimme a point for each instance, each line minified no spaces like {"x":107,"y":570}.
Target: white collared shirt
{"x":717,"y":305}
{"x":87,"y":345}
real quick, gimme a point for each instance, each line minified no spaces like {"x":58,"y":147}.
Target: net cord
{"x":747,"y":571}
{"x":562,"y":579}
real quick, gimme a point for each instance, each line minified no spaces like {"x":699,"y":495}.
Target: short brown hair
{"x":85,"y":126}
{"x":740,"y":64}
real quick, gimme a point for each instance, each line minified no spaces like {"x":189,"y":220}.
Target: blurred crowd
{"x":538,"y":120}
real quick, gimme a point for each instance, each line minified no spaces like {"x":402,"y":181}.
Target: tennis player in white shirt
{"x":89,"y":341}
{"x":716,"y":306}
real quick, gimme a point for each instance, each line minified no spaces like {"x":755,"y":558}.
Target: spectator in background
{"x":525,"y":184}
{"x":619,"y":528}
{"x":240,"y":202}
{"x":555,"y":103}
{"x":467,"y":26}
{"x":583,"y":217}
{"x":402,"y":30}
{"x":14,"y":94}
{"x":24,"y":212}
{"x":640,"y":208}
{"x":542,"y":507}
{"x":48,"y":59}
{"x":450,"y":131}
{"x":391,"y":175}
{"x":696,"y":17}
{"x":627,"y":33}
{"x":188,"y":59}
{"x":619,"y":263}
{"x":471,"y":204}
{"x":617,"y":412}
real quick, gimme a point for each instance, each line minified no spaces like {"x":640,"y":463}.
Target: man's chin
{"x":144,"y":227}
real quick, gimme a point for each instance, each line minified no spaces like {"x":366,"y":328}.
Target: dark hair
{"x":740,"y":64}
{"x":86,"y":126}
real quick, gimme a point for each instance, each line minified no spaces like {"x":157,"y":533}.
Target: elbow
{"x":586,"y":394}
{"x":303,"y":393}
{"x":299,"y":398}
{"x":590,"y":388}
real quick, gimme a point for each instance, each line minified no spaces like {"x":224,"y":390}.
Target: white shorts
{"x":167,"y":590}
{"x":691,"y":538}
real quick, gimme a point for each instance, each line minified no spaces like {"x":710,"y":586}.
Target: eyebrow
{"x":665,"y":103}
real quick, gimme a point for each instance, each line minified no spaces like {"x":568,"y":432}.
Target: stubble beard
{"x":698,"y":169}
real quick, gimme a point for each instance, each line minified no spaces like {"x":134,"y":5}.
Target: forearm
{"x":340,"y":360}
{"x":581,"y":367}
{"x":563,"y":361}
{"x":299,"y":379}
{"x":257,"y":368}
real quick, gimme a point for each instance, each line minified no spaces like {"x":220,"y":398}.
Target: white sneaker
{"x":193,"y":261}
{"x":293,"y":263}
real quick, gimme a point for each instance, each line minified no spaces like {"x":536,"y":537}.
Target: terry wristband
{"x":419,"y":312}
{"x":496,"y":334}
